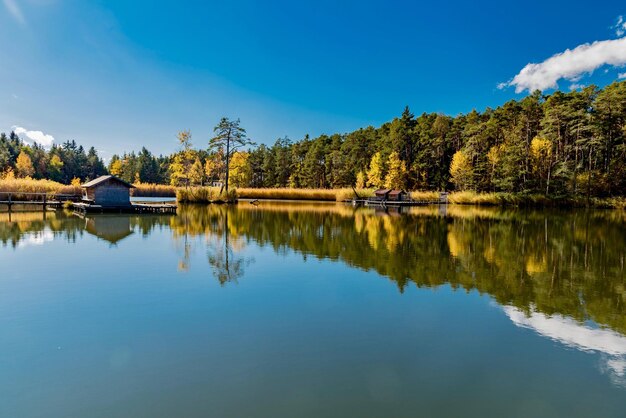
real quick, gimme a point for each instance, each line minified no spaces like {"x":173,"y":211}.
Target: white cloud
{"x":570,"y":65}
{"x":576,"y":86}
{"x":620,"y":26}
{"x":621,"y":75}
{"x":15,"y":10}
{"x":34,"y":136}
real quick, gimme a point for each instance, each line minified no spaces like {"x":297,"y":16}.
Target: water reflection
{"x":570,"y":333}
{"x":224,"y":243}
{"x":552,"y":271}
{"x":109,"y":228}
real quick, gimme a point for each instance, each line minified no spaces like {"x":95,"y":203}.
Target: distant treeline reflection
{"x":570,"y":263}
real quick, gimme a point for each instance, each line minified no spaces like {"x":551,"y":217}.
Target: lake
{"x":313,"y":310}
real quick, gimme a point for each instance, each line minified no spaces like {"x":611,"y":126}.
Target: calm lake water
{"x":314,"y":310}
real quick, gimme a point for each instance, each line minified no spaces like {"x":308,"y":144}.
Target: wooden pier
{"x":383,"y":202}
{"x":52,"y":201}
{"x":137,"y":208}
{"x":392,"y":203}
{"x":44,"y":200}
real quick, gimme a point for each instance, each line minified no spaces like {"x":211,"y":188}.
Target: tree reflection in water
{"x":554,"y":262}
{"x":224,"y":246}
{"x":568,"y":263}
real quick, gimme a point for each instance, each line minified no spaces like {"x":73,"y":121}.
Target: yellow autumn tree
{"x":494,"y":156}
{"x":196,"y":174}
{"x":55,"y":167}
{"x":24,"y":165}
{"x":238,"y":169}
{"x":396,"y":172}
{"x":183,"y":160}
{"x":360,"y":180}
{"x":541,"y":160}
{"x":8,"y":174}
{"x":116,"y":168}
{"x":461,"y":171}
{"x":376,"y":172}
{"x":214,"y":166}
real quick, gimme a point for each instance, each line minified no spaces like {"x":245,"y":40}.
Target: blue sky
{"x":122,"y":74}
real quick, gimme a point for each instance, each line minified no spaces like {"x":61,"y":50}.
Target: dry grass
{"x":331,"y":195}
{"x":211,"y":194}
{"x":28,"y":185}
{"x":503,"y":199}
{"x":205,"y":195}
{"x":153,"y":190}
{"x":424,"y":196}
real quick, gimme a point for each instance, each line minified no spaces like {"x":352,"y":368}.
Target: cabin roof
{"x":382,"y":191}
{"x":396,"y":192}
{"x":101,"y":179}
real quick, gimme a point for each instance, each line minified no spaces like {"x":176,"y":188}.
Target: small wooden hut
{"x":382,"y":194}
{"x":107,"y":191}
{"x":397,"y":195}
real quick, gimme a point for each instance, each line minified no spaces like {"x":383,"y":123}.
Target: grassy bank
{"x":533,"y":200}
{"x":331,"y":195}
{"x":205,"y":195}
{"x":26,"y":185}
{"x":153,"y":190}
{"x":212,"y":194}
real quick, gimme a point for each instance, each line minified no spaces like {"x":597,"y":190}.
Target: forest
{"x":558,"y":145}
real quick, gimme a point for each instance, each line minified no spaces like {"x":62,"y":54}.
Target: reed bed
{"x":331,"y":195}
{"x":212,"y":194}
{"x":28,"y":185}
{"x":153,"y":190}
{"x":505,"y":199}
{"x":424,"y":196}
{"x":205,"y":195}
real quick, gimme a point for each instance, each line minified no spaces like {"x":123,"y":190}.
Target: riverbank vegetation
{"x":205,"y":195}
{"x":558,"y":148}
{"x":29,"y":185}
{"x":208,"y":194}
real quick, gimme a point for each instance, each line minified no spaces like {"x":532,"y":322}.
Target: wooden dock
{"x":46,"y":201}
{"x":382,"y":202}
{"x":392,"y":203}
{"x":137,"y":208}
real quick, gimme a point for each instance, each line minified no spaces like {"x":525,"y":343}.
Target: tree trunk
{"x":227,"y":163}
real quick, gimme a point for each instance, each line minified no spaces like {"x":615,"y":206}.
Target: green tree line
{"x":559,"y":144}
{"x":61,"y":163}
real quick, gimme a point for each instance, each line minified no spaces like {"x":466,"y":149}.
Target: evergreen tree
{"x":230,"y":137}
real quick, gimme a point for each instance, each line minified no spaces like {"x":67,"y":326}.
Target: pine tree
{"x":230,"y":137}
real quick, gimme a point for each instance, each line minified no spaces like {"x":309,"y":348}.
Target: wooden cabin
{"x":397,"y":195}
{"x":107,"y":191}
{"x":382,"y":194}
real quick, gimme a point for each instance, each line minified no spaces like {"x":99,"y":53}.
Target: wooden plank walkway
{"x":138,"y":208}
{"x":393,"y":203}
{"x":26,"y":199}
{"x":55,"y":201}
